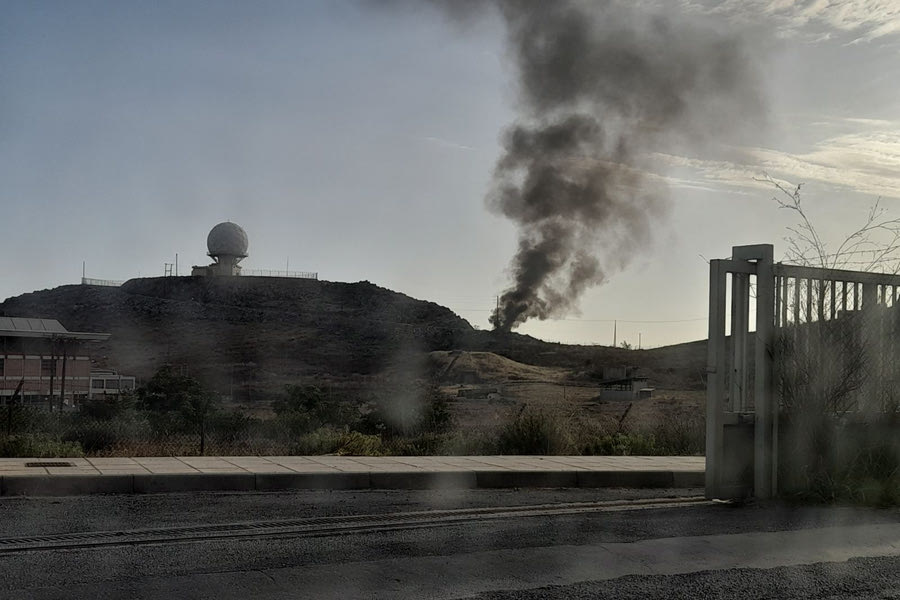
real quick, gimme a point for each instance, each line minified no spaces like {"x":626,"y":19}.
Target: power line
{"x":636,"y":321}
{"x":602,"y":320}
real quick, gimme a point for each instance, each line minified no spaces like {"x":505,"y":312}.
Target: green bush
{"x":307,"y":408}
{"x":94,"y":436}
{"x":469,"y":442}
{"x":406,"y":411}
{"x":621,"y":444}
{"x":37,"y":420}
{"x":293,"y":424}
{"x":354,"y":443}
{"x":321,"y":441}
{"x":36,"y":446}
{"x":426,"y":444}
{"x":681,"y":435}
{"x":823,"y":460}
{"x":164,"y":424}
{"x":232,"y":426}
{"x":105,"y":407}
{"x":534,"y":433}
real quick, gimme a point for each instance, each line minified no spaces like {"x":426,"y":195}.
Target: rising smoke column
{"x":601,"y":85}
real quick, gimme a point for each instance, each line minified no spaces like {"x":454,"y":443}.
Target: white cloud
{"x":866,"y":19}
{"x":867,"y":162}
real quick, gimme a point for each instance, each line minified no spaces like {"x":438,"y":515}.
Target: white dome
{"x":227,"y":239}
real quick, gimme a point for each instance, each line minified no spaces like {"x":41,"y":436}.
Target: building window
{"x":2,"y":367}
{"x":97,"y":384}
{"x":48,"y":367}
{"x":112,"y":384}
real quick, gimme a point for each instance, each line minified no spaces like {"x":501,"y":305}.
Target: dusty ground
{"x":499,"y":387}
{"x":575,"y":401}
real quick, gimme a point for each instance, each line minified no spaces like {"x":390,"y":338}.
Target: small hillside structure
{"x":625,"y":388}
{"x":40,"y":360}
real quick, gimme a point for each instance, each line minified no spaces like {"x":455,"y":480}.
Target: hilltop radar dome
{"x":227,"y":239}
{"x":227,"y":245}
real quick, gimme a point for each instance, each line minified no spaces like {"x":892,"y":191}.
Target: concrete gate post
{"x":730,"y":450}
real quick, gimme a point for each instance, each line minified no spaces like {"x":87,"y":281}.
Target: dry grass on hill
{"x":486,"y":367}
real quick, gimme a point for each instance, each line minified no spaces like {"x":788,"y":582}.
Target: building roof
{"x":43,"y":328}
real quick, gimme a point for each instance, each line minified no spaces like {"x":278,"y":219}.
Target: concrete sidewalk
{"x":74,"y":476}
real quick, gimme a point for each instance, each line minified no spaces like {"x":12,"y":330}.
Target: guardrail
{"x":278,"y":273}
{"x":103,"y":282}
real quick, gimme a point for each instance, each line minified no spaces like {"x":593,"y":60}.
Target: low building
{"x":40,"y":359}
{"x":109,"y":382}
{"x":626,"y":388}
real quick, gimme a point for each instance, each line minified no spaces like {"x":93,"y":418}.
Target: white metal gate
{"x":825,"y":341}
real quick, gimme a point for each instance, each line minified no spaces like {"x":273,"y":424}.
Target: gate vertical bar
{"x":766,"y":428}
{"x":715,"y":382}
{"x":740,"y":319}
{"x":869,"y":337}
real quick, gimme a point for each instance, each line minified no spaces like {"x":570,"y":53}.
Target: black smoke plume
{"x":601,"y":86}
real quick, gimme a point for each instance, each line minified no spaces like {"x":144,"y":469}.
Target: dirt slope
{"x":486,"y":367}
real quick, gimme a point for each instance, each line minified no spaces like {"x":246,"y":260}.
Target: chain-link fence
{"x":31,"y":431}
{"x":35,"y":432}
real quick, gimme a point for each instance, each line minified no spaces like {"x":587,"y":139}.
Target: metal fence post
{"x":740,"y":310}
{"x":766,"y":427}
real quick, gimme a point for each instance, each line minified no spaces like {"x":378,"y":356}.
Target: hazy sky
{"x":360,"y":142}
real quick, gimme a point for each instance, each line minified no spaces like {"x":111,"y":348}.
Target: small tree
{"x":408,"y":410}
{"x":177,"y":402}
{"x":167,"y":391}
{"x":196,"y":413}
{"x":309,"y":407}
{"x":106,"y":407}
{"x":872,"y":246}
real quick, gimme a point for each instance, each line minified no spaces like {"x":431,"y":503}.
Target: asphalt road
{"x":678,"y":551}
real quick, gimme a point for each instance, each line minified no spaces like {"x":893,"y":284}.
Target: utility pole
{"x":615,"y":323}
{"x":62,"y":380}
{"x":639,"y":340}
{"x":52,"y":369}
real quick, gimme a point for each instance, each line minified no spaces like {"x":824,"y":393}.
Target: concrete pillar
{"x":715,"y":386}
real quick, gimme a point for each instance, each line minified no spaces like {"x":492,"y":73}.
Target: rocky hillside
{"x":257,"y":326}
{"x":254,"y":334}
